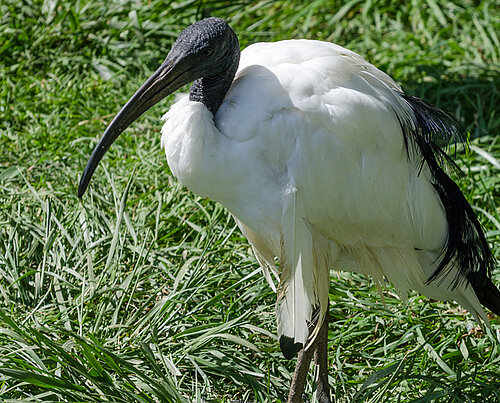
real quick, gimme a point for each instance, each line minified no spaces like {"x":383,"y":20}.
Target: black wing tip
{"x":466,"y":247}
{"x":288,"y":347}
{"x":489,"y":296}
{"x":436,"y":125}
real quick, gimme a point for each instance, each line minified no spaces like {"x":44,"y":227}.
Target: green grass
{"x":145,"y":292}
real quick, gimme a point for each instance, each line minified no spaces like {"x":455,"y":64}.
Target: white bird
{"x":326,"y":164}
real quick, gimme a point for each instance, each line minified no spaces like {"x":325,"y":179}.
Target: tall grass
{"x":146,"y":292}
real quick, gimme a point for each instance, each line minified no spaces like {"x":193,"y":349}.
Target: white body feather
{"x":307,"y":153}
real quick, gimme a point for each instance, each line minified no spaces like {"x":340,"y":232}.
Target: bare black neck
{"x":212,"y":89}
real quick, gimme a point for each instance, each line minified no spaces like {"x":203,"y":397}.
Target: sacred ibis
{"x":326,"y":164}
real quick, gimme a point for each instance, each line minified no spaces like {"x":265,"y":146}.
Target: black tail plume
{"x":489,"y":296}
{"x":466,"y":247}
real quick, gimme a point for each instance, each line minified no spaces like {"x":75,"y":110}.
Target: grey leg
{"x":320,"y":350}
{"x":300,"y":375}
{"x":321,"y":360}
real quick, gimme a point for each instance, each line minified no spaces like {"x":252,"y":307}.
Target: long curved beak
{"x":169,"y":77}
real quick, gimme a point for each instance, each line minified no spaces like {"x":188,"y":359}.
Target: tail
{"x":303,"y":285}
{"x":466,"y":253}
{"x":466,"y":245}
{"x":489,"y":296}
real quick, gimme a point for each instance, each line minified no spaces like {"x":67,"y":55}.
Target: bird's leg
{"x":320,"y":359}
{"x":319,"y":349}
{"x":300,"y":375}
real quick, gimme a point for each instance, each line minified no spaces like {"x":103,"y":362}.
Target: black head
{"x":206,"y":52}
{"x":207,"y":46}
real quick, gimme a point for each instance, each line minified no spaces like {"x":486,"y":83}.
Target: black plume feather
{"x":466,"y":247}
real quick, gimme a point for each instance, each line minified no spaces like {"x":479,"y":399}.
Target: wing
{"x":351,"y":180}
{"x":328,"y":123}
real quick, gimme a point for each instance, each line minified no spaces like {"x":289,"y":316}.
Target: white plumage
{"x":306,"y":151}
{"x":326,"y":164}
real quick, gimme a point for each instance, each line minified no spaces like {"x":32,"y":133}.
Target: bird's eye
{"x":205,"y":52}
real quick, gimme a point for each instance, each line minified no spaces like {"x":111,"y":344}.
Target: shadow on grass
{"x":471,"y":95}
